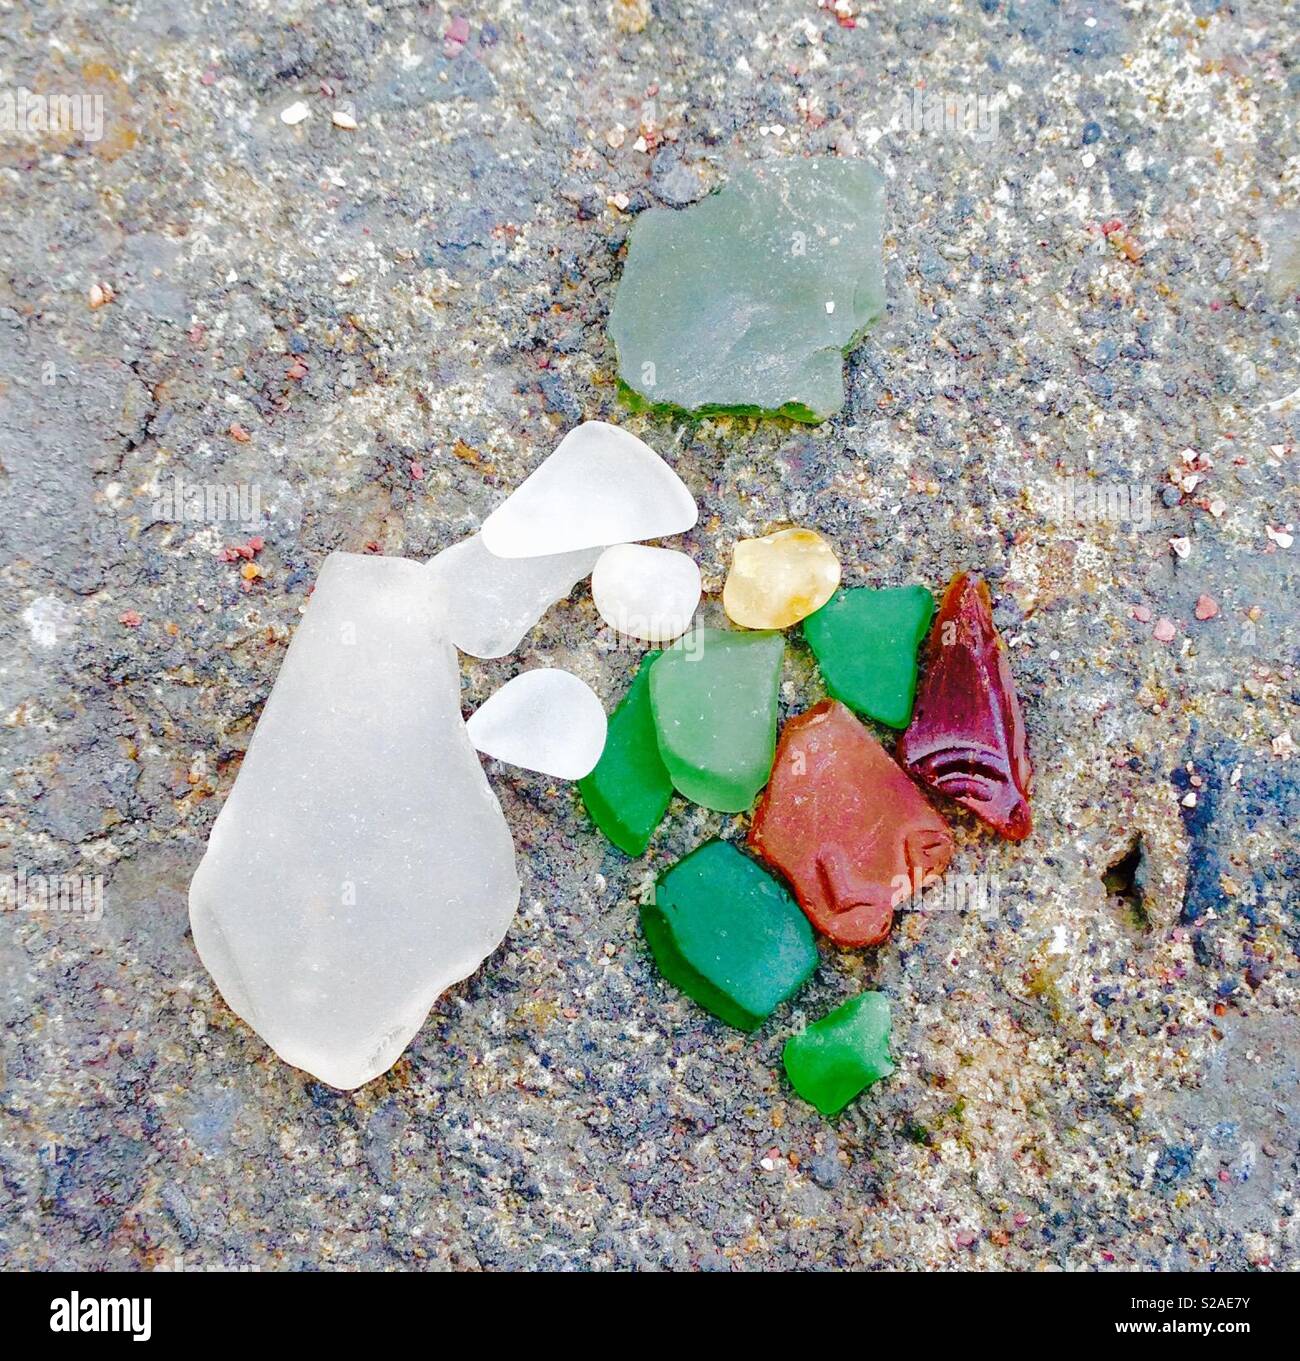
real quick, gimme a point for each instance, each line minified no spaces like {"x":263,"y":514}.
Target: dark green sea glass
{"x":866,"y":642}
{"x":841,"y":1055}
{"x":628,"y":792}
{"x":728,"y":935}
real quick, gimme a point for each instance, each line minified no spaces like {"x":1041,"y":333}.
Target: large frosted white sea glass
{"x":361,"y":863}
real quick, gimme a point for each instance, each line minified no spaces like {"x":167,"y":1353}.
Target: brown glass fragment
{"x":847,"y":828}
{"x":967,"y":737}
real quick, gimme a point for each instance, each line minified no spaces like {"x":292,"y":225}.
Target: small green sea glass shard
{"x":865,"y":642}
{"x":628,"y":792}
{"x":714,"y":696}
{"x":748,"y":301}
{"x":841,"y":1055}
{"x":728,"y":935}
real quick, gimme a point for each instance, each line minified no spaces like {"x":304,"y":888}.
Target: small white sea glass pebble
{"x":602,"y":485}
{"x":545,"y":720}
{"x":644,"y":592}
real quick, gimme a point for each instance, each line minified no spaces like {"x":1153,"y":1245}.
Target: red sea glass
{"x":967,"y":737}
{"x":847,"y":828}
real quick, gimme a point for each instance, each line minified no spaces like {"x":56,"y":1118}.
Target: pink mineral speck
{"x":1206,"y":607}
{"x":1164,"y":631}
{"x":456,"y":36}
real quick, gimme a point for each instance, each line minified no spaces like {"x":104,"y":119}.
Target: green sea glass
{"x":841,"y":1055}
{"x":748,"y":301}
{"x":628,"y":792}
{"x":728,"y":935}
{"x":865,"y":642}
{"x":714,"y":695}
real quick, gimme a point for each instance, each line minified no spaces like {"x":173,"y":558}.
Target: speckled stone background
{"x":384,"y":329}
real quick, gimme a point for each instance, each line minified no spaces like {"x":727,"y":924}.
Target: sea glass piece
{"x":647,"y":593}
{"x":728,"y":935}
{"x":361,"y":864}
{"x":840,"y":1056}
{"x":846,"y":827}
{"x":749,"y":300}
{"x":777,"y":580}
{"x":714,"y":695}
{"x":628,"y":793}
{"x":601,"y":486}
{"x":866,"y":642}
{"x":545,"y":720}
{"x":967,"y":736}
{"x":492,"y":602}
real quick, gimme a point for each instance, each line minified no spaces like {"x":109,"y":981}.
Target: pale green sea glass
{"x":714,"y":697}
{"x":748,"y":301}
